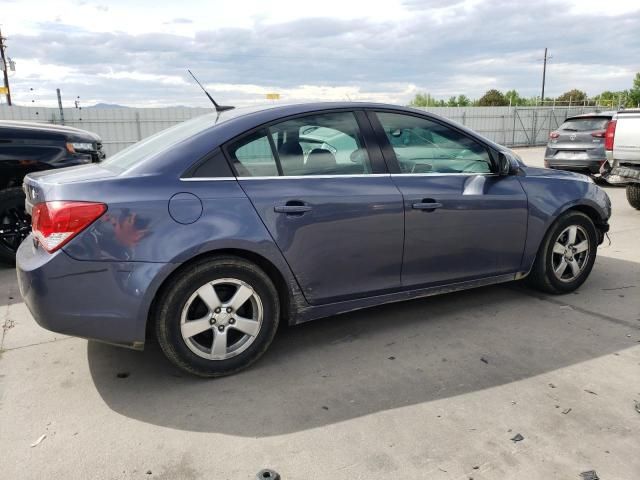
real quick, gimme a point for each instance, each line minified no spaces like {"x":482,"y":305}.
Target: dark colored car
{"x":578,"y":145}
{"x":32,"y":147}
{"x":212,"y":232}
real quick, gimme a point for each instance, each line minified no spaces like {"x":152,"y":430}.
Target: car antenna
{"x":219,"y":108}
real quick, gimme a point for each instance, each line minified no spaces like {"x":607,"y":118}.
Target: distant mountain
{"x":106,"y":105}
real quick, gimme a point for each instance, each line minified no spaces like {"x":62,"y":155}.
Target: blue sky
{"x":137,"y":53}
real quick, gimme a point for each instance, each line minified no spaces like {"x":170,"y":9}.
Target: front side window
{"x":321,"y":144}
{"x":425,"y":146}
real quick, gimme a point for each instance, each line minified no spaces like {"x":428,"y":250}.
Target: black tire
{"x":542,"y":276}
{"x":180,"y":291}
{"x":11,"y":211}
{"x":633,"y":195}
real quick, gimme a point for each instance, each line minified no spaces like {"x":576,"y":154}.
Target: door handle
{"x":427,"y":204}
{"x":292,"y":208}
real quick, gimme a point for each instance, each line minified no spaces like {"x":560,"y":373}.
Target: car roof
{"x":284,"y":109}
{"x":608,"y":113}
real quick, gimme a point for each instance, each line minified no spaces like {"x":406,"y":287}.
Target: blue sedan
{"x":211,"y":233}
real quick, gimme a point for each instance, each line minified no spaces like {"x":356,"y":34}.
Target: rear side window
{"x":318,"y":144}
{"x":321,"y":144}
{"x":585,"y":124}
{"x":252,"y":156}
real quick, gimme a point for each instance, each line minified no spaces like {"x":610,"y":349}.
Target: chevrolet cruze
{"x":209,"y":234}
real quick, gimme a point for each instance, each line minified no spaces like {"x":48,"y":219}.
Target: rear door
{"x":324,"y":195}
{"x":462,"y":221}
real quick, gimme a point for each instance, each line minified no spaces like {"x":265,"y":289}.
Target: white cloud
{"x":136,"y":53}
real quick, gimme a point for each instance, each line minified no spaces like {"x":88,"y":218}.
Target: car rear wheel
{"x":15,"y":224}
{"x":217,"y":317}
{"x":633,"y":195}
{"x":567,"y":254}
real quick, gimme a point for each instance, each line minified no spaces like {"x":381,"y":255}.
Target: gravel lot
{"x":433,"y":388}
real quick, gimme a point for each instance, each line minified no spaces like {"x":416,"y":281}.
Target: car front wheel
{"x":218,"y":316}
{"x":567,"y":254}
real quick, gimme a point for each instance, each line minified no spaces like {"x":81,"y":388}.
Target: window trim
{"x":378,"y":165}
{"x":189,"y":173}
{"x":389,"y":153}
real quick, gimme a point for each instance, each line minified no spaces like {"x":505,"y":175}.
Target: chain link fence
{"x":121,"y":127}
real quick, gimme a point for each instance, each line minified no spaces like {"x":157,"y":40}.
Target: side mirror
{"x":504,"y":164}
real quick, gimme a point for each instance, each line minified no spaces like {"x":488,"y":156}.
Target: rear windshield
{"x":585,"y":124}
{"x":150,"y":146}
{"x":147,"y":148}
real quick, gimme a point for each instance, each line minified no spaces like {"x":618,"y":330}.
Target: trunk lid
{"x":577,"y":134}
{"x":49,"y":185}
{"x":572,"y":140}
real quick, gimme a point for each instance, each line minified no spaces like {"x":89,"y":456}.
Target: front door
{"x":333,"y":212}
{"x":462,"y":221}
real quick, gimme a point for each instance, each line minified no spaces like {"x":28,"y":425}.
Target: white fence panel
{"x":121,"y":127}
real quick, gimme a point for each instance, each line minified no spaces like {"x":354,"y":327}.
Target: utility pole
{"x":4,"y":68}
{"x":60,"y":106}
{"x":544,"y":74}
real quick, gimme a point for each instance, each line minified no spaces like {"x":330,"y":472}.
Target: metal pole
{"x":60,"y":106}
{"x":138,"y":129}
{"x":544,"y":74}
{"x":504,"y":129}
{"x":4,"y":69}
{"x":513,"y":131}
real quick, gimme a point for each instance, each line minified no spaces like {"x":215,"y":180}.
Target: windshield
{"x":585,"y":124}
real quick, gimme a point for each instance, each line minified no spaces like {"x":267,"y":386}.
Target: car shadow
{"x":382,"y":358}
{"x":8,"y":288}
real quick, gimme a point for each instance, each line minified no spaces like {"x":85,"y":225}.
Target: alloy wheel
{"x":570,"y":253}
{"x":15,"y":226}
{"x":221,"y":319}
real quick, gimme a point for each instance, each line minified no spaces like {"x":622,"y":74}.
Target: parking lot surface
{"x":434,"y":388}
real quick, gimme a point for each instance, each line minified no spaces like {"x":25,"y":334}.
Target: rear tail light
{"x":554,"y":135}
{"x":55,"y":223}
{"x":599,"y":134}
{"x":609,"y":135}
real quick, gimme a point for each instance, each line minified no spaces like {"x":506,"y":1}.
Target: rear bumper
{"x":591,"y":165}
{"x":107,"y":301}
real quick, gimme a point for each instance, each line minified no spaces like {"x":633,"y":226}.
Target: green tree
{"x":463,"y":101}
{"x":426,"y":100}
{"x":493,"y":98}
{"x":573,"y":96}
{"x":634,"y":93}
{"x":514,"y":98}
{"x":613,"y":99}
{"x":422,"y":100}
{"x":452,"y":102}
